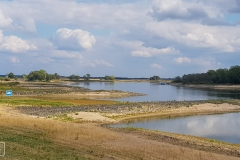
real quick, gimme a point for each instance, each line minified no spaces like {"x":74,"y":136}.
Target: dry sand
{"x":90,"y":116}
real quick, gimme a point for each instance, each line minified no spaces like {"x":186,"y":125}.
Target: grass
{"x":15,"y":101}
{"x":34,"y":101}
{"x":29,"y":144}
{"x":37,"y":138}
{"x":64,"y":117}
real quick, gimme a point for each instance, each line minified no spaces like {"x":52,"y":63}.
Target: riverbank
{"x":86,"y":133}
{"x":76,"y":128}
{"x":208,"y":86}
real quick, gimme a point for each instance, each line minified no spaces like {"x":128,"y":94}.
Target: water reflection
{"x":223,"y":127}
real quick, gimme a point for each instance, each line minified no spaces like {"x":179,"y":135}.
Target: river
{"x":157,"y":92}
{"x":222,"y":127}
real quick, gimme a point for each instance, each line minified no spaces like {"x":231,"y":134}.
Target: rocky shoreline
{"x":118,"y":108}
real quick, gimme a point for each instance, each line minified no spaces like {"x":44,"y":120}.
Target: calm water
{"x":223,"y":127}
{"x":156,"y":92}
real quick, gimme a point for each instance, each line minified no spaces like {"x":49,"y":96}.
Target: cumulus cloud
{"x":73,"y":39}
{"x":156,"y":66}
{"x":177,"y":9}
{"x":151,"y":52}
{"x":222,"y":39}
{"x":14,"y":22}
{"x":5,"y":22}
{"x":181,"y":60}
{"x":14,"y":44}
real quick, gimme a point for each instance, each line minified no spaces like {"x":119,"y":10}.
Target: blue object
{"x":8,"y":92}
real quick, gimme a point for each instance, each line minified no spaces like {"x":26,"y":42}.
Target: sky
{"x":124,"y":38}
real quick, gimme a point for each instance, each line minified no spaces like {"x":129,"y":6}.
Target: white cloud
{"x":151,"y":52}
{"x":157,"y":66}
{"x":220,"y":38}
{"x":155,"y":28}
{"x":73,"y":39}
{"x":24,"y":24}
{"x":139,"y":50}
{"x":163,"y":9}
{"x":14,"y":44}
{"x":181,"y":60}
{"x":5,"y":22}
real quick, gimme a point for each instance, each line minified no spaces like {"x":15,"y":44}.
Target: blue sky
{"x":136,"y":38}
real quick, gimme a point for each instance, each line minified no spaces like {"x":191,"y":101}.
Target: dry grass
{"x":88,"y":139}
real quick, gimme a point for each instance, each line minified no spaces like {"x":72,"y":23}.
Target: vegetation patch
{"x":31,"y":102}
{"x":31,"y":144}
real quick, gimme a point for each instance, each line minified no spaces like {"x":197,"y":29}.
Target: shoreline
{"x":229,"y":87}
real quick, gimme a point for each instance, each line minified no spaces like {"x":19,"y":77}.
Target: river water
{"x":222,"y":127}
{"x":157,"y":92}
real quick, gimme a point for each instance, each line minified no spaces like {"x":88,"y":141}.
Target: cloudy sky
{"x":128,"y":38}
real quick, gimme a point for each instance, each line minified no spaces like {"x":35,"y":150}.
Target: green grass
{"x":64,"y":117}
{"x":31,"y":102}
{"x":29,"y":144}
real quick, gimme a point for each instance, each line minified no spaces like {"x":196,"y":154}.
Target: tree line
{"x":219,"y":76}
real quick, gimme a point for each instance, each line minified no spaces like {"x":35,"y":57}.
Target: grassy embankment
{"x":28,"y":138}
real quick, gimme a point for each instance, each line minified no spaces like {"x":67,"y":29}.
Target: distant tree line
{"x":219,"y":76}
{"x":76,"y":77}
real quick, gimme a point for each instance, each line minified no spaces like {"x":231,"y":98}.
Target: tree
{"x":234,"y":75}
{"x":155,"y":78}
{"x":11,"y":75}
{"x":109,"y":78}
{"x":219,"y":76}
{"x":87,"y":77}
{"x":40,"y":75}
{"x":222,"y":76}
{"x":24,"y":76}
{"x":73,"y":76}
{"x":177,"y":79}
